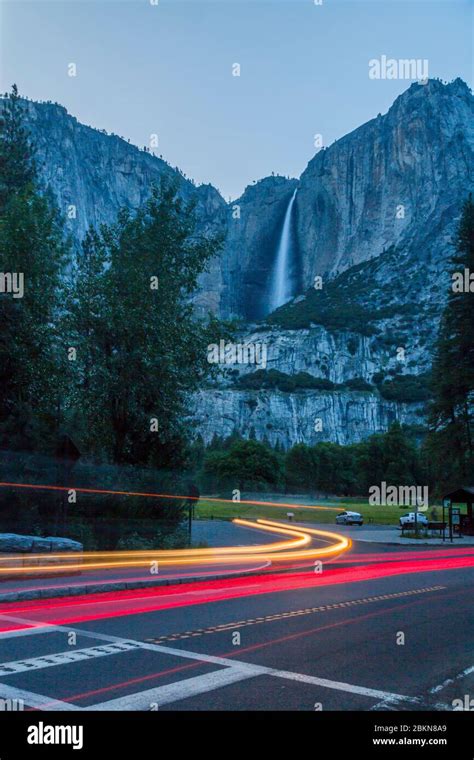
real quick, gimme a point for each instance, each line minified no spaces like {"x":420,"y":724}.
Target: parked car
{"x":409,"y":520}
{"x":349,"y":518}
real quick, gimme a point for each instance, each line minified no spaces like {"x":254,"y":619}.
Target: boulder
{"x":14,"y":543}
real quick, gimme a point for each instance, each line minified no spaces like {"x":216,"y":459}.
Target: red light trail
{"x":113,"y":604}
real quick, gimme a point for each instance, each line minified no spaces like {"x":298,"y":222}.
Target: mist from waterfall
{"x":281,"y":289}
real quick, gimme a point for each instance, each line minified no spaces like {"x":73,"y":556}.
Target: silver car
{"x":349,"y":518}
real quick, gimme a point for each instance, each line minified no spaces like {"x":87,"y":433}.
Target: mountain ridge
{"x":385,"y":273}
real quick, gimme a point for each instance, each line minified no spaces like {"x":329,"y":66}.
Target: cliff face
{"x":334,"y":356}
{"x":98,"y":174}
{"x":397,"y":180}
{"x":304,"y":417}
{"x":253,"y":231}
{"x":374,"y":215}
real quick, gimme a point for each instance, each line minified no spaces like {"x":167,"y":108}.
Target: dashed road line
{"x":233,"y":670}
{"x":449,"y":681}
{"x":284,"y":615}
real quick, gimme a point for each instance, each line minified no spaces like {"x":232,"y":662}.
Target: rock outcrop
{"x":379,"y":206}
{"x":304,"y":417}
{"x":398,"y":180}
{"x":16,"y":543}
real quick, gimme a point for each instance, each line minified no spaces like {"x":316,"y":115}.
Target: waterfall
{"x":281,"y":289}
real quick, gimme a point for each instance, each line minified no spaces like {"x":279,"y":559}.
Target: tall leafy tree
{"x":17,"y":168}
{"x":139,"y":349}
{"x":451,"y":438}
{"x":301,"y":467}
{"x":32,"y":250}
{"x":247,"y":463}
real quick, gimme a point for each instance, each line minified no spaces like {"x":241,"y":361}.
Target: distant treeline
{"x":327,"y":468}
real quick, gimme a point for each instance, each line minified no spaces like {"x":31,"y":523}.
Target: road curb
{"x":98,"y":588}
{"x":415,"y":543}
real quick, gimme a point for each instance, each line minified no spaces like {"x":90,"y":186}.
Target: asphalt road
{"x":254,"y":644}
{"x":213,"y":533}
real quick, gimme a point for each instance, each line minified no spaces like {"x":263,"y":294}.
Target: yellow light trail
{"x":341,"y":542}
{"x":278,"y":551}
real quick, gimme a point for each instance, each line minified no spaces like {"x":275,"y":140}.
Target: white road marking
{"x":40,"y":701}
{"x":463,"y":674}
{"x":17,"y":633}
{"x":247,"y":670}
{"x":63,"y":658}
{"x":235,"y":670}
{"x":35,"y":628}
{"x":173,"y":692}
{"x":340,"y":686}
{"x":253,"y":670}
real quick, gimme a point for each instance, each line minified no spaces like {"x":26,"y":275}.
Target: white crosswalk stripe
{"x":230,"y":670}
{"x":64,"y":658}
{"x":174,"y":692}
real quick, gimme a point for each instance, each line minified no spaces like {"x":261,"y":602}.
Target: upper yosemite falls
{"x":337,"y":273}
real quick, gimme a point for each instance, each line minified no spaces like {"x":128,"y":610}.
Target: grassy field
{"x":221,"y":510}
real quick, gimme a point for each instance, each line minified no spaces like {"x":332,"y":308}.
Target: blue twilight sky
{"x":166,"y":68}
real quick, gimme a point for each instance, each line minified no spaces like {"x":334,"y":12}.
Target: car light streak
{"x":280,"y":550}
{"x":119,"y":603}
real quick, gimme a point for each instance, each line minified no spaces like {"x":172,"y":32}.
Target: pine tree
{"x":450,"y":442}
{"x":17,"y":169}
{"x":32,"y":248}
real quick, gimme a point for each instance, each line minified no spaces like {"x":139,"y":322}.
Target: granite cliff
{"x":374,"y":216}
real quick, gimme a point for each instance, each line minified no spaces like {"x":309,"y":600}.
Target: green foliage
{"x":450,"y":443}
{"x":358,"y":384}
{"x":140,"y":351}
{"x":17,"y":169}
{"x":301,"y":467}
{"x":32,"y":245}
{"x":98,"y":520}
{"x":246,"y":464}
{"x":340,"y":305}
{"x":273,"y":379}
{"x":408,"y":388}
{"x":325,"y":467}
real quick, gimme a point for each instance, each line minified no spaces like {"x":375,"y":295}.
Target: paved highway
{"x":383,"y":628}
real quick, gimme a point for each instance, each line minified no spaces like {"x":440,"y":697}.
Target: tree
{"x":32,"y":250}
{"x":301,"y":467}
{"x":17,"y":168}
{"x":140,"y":351}
{"x":326,"y":456}
{"x":450,"y":442}
{"x":246,"y":463}
{"x":400,"y":457}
